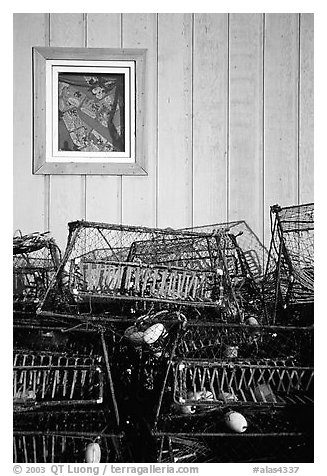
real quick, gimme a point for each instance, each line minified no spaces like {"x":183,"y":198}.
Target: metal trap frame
{"x":272,"y":435}
{"x":53,"y":378}
{"x":245,"y":257}
{"x":279,"y":447}
{"x":123,"y":270}
{"x":249,"y":245}
{"x":289,"y":275}
{"x":238,"y":384}
{"x":62,"y":436}
{"x":215,"y":364}
{"x":63,"y":400}
{"x":36,"y":258}
{"x":46,"y":379}
{"x":220,"y":341}
{"x":198,"y":386}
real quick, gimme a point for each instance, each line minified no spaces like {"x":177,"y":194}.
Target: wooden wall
{"x":229,"y":118}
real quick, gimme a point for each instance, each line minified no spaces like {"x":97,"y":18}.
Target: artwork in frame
{"x":89,"y":111}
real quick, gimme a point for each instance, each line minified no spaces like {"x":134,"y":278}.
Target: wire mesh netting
{"x":64,"y":396}
{"x":253,"y":251}
{"x":176,"y":323}
{"x":36,"y":258}
{"x":34,"y":336}
{"x":279,"y":435}
{"x":289,"y":277}
{"x":245,"y":258}
{"x":212,"y":340}
{"x":119,"y":269}
{"x":64,"y":436}
{"x":250,"y":448}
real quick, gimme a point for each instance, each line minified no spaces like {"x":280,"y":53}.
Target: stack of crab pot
{"x":239,"y":389}
{"x":178,"y":355}
{"x":63,"y":408}
{"x":138,"y":287}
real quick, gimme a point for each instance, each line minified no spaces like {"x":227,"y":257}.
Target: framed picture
{"x":88,"y":111}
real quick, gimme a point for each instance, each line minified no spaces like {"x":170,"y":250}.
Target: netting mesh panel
{"x":35,"y":260}
{"x":292,"y":448}
{"x":124,"y":243}
{"x":182,"y":251}
{"x":244,"y":257}
{"x":242,"y":383}
{"x":174,"y":449}
{"x":282,"y":434}
{"x":37,"y":447}
{"x":35,"y":337}
{"x":289,"y":277}
{"x":104,"y":263}
{"x":62,"y":437}
{"x":253,"y":250}
{"x":213,"y":341}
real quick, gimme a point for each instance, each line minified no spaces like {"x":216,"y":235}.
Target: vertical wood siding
{"x":103,"y":193}
{"x":229,"y":120}
{"x":210,"y":118}
{"x":175,"y":132}
{"x":67,"y":192}
{"x":281,"y":111}
{"x":140,"y":31}
{"x":246,"y":119}
{"x":30,"y":195}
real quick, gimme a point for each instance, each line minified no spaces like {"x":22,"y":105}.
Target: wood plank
{"x":246,"y":116}
{"x":139,"y":193}
{"x":39,"y":110}
{"x":66,"y":30}
{"x":175,"y":120}
{"x":67,"y":192}
{"x":306,"y":139}
{"x":103,"y":193}
{"x":281,"y":113}
{"x":28,"y":190}
{"x":210,"y":118}
{"x":88,"y":54}
{"x":90,"y":168}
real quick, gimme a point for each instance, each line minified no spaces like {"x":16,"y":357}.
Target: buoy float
{"x":154,"y":337}
{"x":251,"y":321}
{"x":236,"y":422}
{"x":154,"y":333}
{"x":93,"y":453}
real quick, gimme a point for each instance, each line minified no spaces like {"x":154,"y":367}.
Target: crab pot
{"x":46,"y":380}
{"x":125,"y":271}
{"x":62,"y":436}
{"x":276,"y":435}
{"x":37,"y":337}
{"x":233,"y":448}
{"x":289,"y":275}
{"x":208,"y":340}
{"x":245,"y":257}
{"x":36,"y":259}
{"x":62,"y":403}
{"x":236,"y":384}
